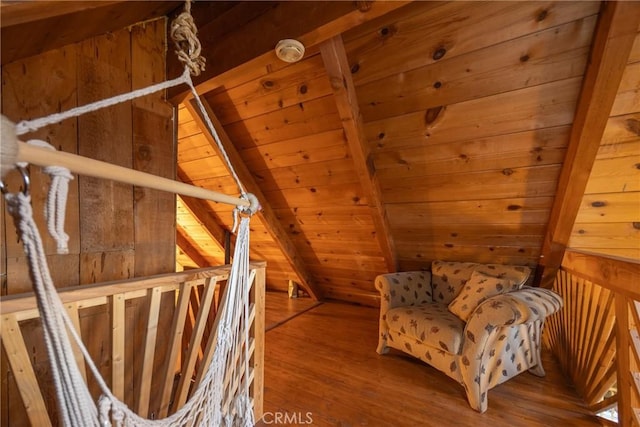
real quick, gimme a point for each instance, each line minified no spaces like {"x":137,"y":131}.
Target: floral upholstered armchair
{"x":477,"y":323}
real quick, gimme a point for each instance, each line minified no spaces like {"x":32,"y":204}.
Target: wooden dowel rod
{"x":98,"y":169}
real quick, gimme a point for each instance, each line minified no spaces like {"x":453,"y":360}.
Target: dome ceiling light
{"x":290,"y":50}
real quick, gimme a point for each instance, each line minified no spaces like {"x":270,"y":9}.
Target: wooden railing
{"x":152,"y":339}
{"x":596,"y":335}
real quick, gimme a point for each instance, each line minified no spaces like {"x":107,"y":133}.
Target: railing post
{"x":625,"y":413}
{"x":257,"y":298}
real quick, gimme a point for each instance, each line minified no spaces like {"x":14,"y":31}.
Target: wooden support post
{"x":21,"y":367}
{"x":344,"y":91}
{"x":194,"y":345}
{"x":625,"y":412}
{"x":614,"y":38}
{"x":257,"y":332}
{"x":74,"y":315}
{"x":117,"y":345}
{"x":146,"y":373}
{"x":177,"y":329}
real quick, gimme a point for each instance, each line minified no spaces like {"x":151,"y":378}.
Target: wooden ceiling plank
{"x":339,"y":73}
{"x":252,"y":44}
{"x":613,"y":41}
{"x":266,"y":215}
{"x":185,"y":245}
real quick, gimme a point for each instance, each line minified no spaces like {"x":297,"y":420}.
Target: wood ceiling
{"x":408,"y":133}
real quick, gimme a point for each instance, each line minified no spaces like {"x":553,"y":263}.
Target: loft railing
{"x":596,"y":335}
{"x":152,"y":338}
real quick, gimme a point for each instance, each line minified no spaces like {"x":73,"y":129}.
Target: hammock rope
{"x":76,"y":406}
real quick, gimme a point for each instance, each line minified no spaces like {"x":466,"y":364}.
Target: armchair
{"x":476,"y":323}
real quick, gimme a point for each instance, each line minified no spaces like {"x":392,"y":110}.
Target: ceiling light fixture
{"x":290,"y":50}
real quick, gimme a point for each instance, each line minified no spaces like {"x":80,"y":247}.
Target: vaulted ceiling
{"x":409,"y":132}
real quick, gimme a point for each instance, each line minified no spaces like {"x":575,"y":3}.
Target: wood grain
{"x":419,"y":30}
{"x":541,"y":57}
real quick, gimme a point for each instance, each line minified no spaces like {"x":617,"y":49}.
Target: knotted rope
{"x":56,"y":206}
{"x":184,"y":34}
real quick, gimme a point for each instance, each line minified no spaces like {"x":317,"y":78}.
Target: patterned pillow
{"x":477,"y":289}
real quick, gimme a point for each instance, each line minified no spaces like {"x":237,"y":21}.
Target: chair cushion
{"x":478,"y":288}
{"x":432,"y":324}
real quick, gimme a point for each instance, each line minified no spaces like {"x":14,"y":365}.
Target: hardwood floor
{"x":322,"y":370}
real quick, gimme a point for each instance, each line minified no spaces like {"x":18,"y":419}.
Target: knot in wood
{"x":507,"y":172}
{"x":337,"y":83}
{"x":439,"y":53}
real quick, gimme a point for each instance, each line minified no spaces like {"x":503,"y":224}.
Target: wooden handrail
{"x":133,"y":287}
{"x":617,"y":274}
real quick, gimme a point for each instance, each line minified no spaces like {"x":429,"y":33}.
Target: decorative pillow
{"x":477,"y":289}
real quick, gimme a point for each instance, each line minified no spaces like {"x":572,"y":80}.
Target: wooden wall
{"x":609,"y":218}
{"x":116,"y":231}
{"x":467,"y":110}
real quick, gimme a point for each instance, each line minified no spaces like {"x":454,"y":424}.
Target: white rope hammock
{"x":77,"y":407}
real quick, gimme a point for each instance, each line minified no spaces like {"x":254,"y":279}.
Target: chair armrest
{"x":487,"y":338}
{"x":402,"y":289}
{"x":510,"y":309}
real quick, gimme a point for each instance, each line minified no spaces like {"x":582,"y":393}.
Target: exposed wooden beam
{"x":266,"y":215}
{"x":251,"y":44}
{"x":615,"y":34}
{"x":344,"y":91}
{"x":21,"y":12}
{"x":185,"y":245}
{"x":33,"y":27}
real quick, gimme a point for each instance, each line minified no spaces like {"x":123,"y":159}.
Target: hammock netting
{"x":207,"y":405}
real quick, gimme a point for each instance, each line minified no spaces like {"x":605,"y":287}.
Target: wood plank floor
{"x":322,"y":370}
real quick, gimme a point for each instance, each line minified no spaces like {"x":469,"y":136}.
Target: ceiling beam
{"x":21,"y":12}
{"x":335,"y":61}
{"x":185,"y":245}
{"x":266,"y":215}
{"x":249,"y":47}
{"x":615,"y":33}
{"x":34,"y":27}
